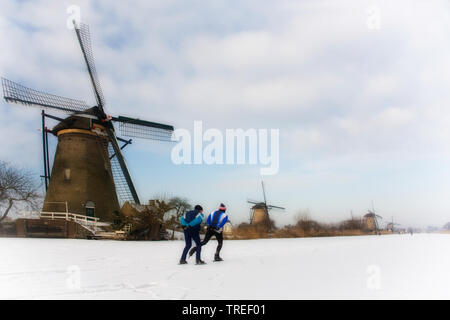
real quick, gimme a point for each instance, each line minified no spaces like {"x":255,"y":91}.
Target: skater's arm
{"x":208,"y":220}
{"x":224,"y":220}
{"x":183,"y":222}
{"x":197,"y":220}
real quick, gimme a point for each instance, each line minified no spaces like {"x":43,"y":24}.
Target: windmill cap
{"x":222,"y":207}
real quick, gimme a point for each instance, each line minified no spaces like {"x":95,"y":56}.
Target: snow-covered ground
{"x":372,"y":267}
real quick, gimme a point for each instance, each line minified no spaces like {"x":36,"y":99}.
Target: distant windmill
{"x":391,"y":225}
{"x":371,"y":220}
{"x":260,"y":210}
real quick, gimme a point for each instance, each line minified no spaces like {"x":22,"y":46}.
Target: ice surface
{"x":365,"y":267}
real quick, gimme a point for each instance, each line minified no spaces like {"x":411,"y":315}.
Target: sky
{"x":358,"y":91}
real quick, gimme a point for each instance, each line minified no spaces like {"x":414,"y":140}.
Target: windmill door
{"x":90,"y":209}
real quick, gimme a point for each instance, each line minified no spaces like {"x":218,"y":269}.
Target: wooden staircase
{"x":94,"y":227}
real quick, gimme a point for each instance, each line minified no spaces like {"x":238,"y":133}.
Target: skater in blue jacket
{"x":190,"y":222}
{"x":215,"y":222}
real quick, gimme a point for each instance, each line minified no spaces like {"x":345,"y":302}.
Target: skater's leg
{"x":196,"y":238}
{"x":208,"y":235}
{"x":188,"y":240}
{"x":219,"y":237}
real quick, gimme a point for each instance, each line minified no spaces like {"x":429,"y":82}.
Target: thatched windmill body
{"x":89,"y":174}
{"x":259,"y":212}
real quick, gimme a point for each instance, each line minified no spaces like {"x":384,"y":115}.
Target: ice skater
{"x":215,"y":222}
{"x":190,"y":222}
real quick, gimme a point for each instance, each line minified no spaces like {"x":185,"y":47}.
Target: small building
{"x":227,"y":229}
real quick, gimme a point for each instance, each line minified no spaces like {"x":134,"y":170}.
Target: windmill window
{"x":67,"y":174}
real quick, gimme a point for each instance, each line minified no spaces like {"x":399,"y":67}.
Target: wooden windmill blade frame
{"x":137,"y":128}
{"x":14,"y":92}
{"x":84,"y":39}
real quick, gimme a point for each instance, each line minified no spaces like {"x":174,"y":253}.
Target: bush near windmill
{"x":157,"y":220}
{"x":146,"y":221}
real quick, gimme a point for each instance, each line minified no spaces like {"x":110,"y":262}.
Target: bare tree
{"x":179,"y":207}
{"x":16,"y":186}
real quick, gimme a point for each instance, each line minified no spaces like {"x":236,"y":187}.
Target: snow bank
{"x":365,"y":267}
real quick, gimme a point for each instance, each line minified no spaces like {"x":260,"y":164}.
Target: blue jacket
{"x":217,"y":219}
{"x":192,"y":219}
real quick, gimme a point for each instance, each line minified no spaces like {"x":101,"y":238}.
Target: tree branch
{"x":11,"y":201}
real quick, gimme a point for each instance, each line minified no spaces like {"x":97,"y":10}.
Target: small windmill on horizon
{"x":392,"y":225}
{"x":371,"y":220}
{"x":259,"y":212}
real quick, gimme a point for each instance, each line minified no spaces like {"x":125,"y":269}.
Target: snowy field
{"x":366,"y":267}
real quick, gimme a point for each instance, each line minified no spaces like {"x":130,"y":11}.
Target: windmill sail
{"x":275,"y":207}
{"x":253,"y":201}
{"x":137,"y":128}
{"x":16,"y":93}
{"x":124,"y":183}
{"x":84,"y":39}
{"x":264,"y":192}
{"x":124,"y":169}
{"x":123,"y":190}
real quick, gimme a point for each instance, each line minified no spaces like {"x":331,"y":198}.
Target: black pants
{"x":209,"y":234}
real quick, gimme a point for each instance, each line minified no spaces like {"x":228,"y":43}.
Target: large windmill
{"x":259,"y":214}
{"x":89,"y":174}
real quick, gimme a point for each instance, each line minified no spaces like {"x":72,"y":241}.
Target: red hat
{"x":222,"y":207}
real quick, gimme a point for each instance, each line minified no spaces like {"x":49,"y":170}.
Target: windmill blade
{"x":137,"y":128}
{"x":120,"y":182}
{"x":16,"y":93}
{"x":264,"y":191}
{"x":123,"y":167}
{"x":251,"y":216}
{"x":84,"y":39}
{"x":275,"y":207}
{"x":253,"y":201}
